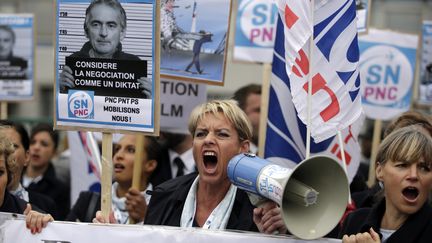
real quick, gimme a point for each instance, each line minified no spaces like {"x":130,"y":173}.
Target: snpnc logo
{"x":81,"y":104}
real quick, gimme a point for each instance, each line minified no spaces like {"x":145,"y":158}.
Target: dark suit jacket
{"x":162,"y":172}
{"x":167,"y":201}
{"x":85,"y":208}
{"x":12,"y":204}
{"x":55,"y":189}
{"x":417,"y":228}
{"x":43,"y":204}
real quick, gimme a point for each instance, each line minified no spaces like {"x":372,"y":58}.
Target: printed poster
{"x":104,"y":57}
{"x":17,"y":56}
{"x":387,"y":67}
{"x":194,"y":40}
{"x":255,"y":28}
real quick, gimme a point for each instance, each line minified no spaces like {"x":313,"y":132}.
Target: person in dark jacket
{"x":17,"y":134}
{"x":403,"y":166}
{"x":220,"y":130}
{"x":8,"y":202}
{"x":105,"y":28}
{"x":40,"y":175}
{"x":127,"y":202}
{"x":367,"y":198}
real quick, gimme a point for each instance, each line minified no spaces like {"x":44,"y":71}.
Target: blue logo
{"x":81,"y":104}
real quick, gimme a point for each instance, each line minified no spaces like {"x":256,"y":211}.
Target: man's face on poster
{"x":104,"y":30}
{"x":6,"y":43}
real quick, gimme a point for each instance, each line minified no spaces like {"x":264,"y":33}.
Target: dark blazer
{"x":417,"y":228}
{"x":167,"y":201}
{"x":162,"y":172}
{"x":44,"y":204}
{"x":55,"y":189}
{"x":85,"y":208}
{"x":12,"y":204}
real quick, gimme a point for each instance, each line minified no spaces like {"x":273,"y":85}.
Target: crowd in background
{"x":184,"y":182}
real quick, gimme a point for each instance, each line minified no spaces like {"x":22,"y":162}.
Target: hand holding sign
{"x":66,"y":78}
{"x":145,"y":84}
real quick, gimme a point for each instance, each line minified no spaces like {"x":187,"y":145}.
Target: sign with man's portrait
{"x":105,"y":76}
{"x":16,"y":56}
{"x":194,"y":35}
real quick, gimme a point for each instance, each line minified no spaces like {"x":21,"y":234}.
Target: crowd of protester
{"x":197,"y":193}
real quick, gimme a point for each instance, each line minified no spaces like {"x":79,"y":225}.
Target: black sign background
{"x":137,"y":67}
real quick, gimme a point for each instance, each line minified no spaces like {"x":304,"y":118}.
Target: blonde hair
{"x":408,"y":144}
{"x":230,"y":110}
{"x":6,"y":152}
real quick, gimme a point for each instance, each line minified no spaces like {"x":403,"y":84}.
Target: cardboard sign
{"x":107,"y":75}
{"x":16,"y":56}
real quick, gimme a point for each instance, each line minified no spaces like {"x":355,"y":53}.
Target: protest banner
{"x":66,"y":232}
{"x":107,"y":75}
{"x":17,"y":57}
{"x":255,"y":28}
{"x":387,"y":67}
{"x":178,"y":98}
{"x":194,"y":38}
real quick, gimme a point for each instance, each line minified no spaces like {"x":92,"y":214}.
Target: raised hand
{"x":146,"y":86}
{"x":136,"y":205}
{"x":66,"y":79}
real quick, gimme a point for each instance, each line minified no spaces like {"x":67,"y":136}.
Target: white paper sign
{"x":387,"y":67}
{"x":15,"y":231}
{"x":178,"y":99}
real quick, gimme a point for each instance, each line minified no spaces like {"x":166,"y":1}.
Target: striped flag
{"x":333,"y":60}
{"x":286,"y":132}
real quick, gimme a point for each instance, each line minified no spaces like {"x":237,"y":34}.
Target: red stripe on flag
{"x":290,"y":17}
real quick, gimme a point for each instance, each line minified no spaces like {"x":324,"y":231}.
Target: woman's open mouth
{"x":118,"y":168}
{"x":210,"y":160}
{"x":410,"y":193}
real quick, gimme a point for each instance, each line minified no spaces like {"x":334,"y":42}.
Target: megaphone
{"x":313,"y":196}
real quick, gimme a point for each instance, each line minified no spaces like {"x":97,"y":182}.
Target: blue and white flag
{"x":286,"y":133}
{"x":331,"y":63}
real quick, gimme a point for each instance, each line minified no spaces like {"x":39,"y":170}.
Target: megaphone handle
{"x":256,"y":200}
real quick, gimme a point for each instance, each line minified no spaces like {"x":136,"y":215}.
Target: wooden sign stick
{"x":137,"y":168}
{"x":106,"y":180}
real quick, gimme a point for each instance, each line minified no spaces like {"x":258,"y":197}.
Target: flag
{"x":84,"y":162}
{"x":333,"y":60}
{"x":286,"y":132}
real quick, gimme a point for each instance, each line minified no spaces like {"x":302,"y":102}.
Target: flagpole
{"x":265,"y":96}
{"x":375,"y":143}
{"x":309,"y":96}
{"x":341,"y":144}
{"x":4,"y":110}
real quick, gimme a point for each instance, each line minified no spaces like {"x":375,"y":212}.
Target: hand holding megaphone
{"x":313,"y":196}
{"x":268,"y":218}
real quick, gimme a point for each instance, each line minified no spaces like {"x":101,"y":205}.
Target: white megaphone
{"x":313,"y":196}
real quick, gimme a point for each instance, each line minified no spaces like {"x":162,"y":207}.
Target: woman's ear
{"x":379,"y":171}
{"x":150,"y":166}
{"x":245,"y":146}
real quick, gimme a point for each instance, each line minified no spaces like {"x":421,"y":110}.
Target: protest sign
{"x":107,"y":75}
{"x":16,"y":56}
{"x":387,"y":67}
{"x":178,"y":98}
